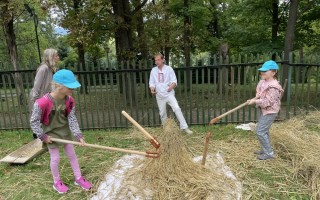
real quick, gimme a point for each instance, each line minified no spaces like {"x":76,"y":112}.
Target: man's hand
{"x":173,"y":85}
{"x":153,"y":90}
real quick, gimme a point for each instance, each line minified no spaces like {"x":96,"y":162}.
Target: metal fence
{"x":204,"y":91}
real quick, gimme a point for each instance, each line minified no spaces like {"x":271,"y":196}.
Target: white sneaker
{"x":188,"y":131}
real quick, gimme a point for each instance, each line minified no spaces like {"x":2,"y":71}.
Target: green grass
{"x":260,"y":180}
{"x":34,"y":180}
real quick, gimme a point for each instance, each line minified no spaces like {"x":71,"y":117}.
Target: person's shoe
{"x":259,"y":152}
{"x":82,"y":182}
{"x":265,"y":156}
{"x":188,"y":131}
{"x":60,"y":187}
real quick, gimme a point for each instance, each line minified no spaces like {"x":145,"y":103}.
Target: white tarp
{"x":109,"y":188}
{"x":247,"y":127}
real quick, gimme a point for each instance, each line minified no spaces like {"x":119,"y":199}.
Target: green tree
{"x":19,"y":36}
{"x":9,"y":11}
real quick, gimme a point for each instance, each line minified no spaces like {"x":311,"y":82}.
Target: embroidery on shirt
{"x":161,"y":77}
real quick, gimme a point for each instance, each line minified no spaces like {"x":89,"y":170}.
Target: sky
{"x":54,"y":14}
{"x":60,"y":31}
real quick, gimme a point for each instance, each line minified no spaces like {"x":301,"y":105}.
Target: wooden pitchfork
{"x":146,"y":154}
{"x":214,"y":120}
{"x":152,"y":140}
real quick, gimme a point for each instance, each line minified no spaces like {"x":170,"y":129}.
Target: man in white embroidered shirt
{"x":162,"y":83}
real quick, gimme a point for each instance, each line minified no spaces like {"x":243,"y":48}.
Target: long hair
{"x":48,"y":56}
{"x":276,"y":74}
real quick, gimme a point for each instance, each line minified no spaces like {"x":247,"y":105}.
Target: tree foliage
{"x":140,"y":28}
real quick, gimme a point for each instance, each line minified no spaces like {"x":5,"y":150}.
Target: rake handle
{"x":214,"y":120}
{"x":205,"y":150}
{"x":232,"y":110}
{"x":136,"y":124}
{"x":101,"y":147}
{"x":229,"y":112}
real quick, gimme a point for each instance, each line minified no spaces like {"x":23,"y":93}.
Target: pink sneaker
{"x":60,"y":187}
{"x":86,"y":185}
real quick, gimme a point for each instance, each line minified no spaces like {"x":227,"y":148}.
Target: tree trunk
{"x":82,"y":66}
{"x":289,"y":38}
{"x":223,"y":55}
{"x":124,"y":44}
{"x":12,"y":49}
{"x":214,"y":22}
{"x":187,"y":43}
{"x":301,"y":60}
{"x":167,"y":47}
{"x":79,"y":45}
{"x":80,"y":50}
{"x":142,"y":44}
{"x":123,"y":31}
{"x":275,"y":26}
{"x":81,"y":58}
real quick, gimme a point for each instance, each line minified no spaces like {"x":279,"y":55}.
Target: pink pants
{"x":55,"y":158}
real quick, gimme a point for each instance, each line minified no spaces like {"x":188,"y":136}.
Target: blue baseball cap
{"x":269,"y":65}
{"x":66,"y":78}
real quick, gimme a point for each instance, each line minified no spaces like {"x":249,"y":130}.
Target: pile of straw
{"x":174,"y":175}
{"x":298,"y":141}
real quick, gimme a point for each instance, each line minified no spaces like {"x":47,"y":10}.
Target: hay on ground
{"x":298,"y":141}
{"x":174,"y":175}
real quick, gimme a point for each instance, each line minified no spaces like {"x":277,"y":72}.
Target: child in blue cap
{"x":54,"y":116}
{"x":268,"y":96}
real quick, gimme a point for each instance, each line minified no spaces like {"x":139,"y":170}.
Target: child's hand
{"x":251,"y":101}
{"x":48,"y":140}
{"x":82,"y":142}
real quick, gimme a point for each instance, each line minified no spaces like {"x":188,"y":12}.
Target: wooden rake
{"x":152,"y":140}
{"x":215,"y":120}
{"x":146,"y":154}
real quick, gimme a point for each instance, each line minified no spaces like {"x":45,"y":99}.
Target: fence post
{"x":289,"y":86}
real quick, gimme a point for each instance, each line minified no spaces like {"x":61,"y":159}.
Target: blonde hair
{"x":159,"y":54}
{"x":48,"y":56}
{"x":56,"y":86}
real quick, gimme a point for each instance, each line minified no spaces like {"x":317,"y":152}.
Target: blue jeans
{"x":263,"y":134}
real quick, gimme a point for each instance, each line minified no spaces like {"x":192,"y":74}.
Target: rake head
{"x":214,"y":120}
{"x":155,"y":143}
{"x":152,"y":154}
